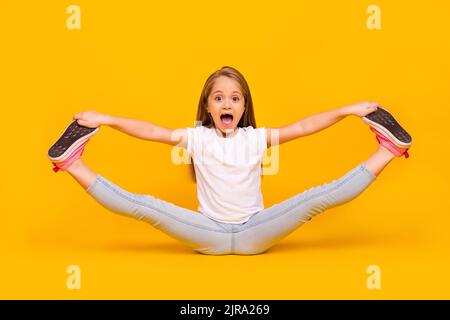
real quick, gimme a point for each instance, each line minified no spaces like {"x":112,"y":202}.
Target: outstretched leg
{"x":193,"y":229}
{"x":270,"y":225}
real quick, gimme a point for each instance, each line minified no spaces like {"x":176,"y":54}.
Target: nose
{"x":227,"y":104}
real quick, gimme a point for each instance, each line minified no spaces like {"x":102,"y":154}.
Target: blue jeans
{"x":254,"y":236}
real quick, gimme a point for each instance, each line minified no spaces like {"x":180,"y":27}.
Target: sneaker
{"x":70,"y":145}
{"x":382,"y":140}
{"x":388,"y":127}
{"x":63,"y":165}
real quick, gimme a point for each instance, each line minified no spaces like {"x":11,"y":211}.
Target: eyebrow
{"x":222,"y":91}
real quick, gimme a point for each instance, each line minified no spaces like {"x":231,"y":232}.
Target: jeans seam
{"x":232,"y":239}
{"x":110,"y":187}
{"x":312,"y":197}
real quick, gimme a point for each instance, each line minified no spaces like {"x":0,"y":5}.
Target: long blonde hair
{"x":204,"y":117}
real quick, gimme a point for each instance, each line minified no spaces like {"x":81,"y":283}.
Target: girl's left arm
{"x":317,"y":122}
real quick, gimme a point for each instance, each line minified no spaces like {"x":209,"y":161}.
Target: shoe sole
{"x":386,"y":124}
{"x":73,"y":136}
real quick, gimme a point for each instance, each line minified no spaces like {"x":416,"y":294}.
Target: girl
{"x":226,"y":148}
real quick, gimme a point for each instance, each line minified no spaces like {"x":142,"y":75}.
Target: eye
{"x":235,"y":98}
{"x":218,"y":97}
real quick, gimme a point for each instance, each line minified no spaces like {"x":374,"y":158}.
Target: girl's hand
{"x":361,"y":109}
{"x":90,"y":119}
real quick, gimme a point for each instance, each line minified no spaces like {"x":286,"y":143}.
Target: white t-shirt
{"x":228,"y":171}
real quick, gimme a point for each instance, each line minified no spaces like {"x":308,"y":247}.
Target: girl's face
{"x":226,"y":104}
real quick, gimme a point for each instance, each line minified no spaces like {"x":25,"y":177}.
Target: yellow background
{"x":149,"y":60}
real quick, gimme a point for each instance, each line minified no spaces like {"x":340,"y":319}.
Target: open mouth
{"x":226,"y":119}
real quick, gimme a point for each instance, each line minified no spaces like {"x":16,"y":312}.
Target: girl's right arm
{"x":133,"y":127}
